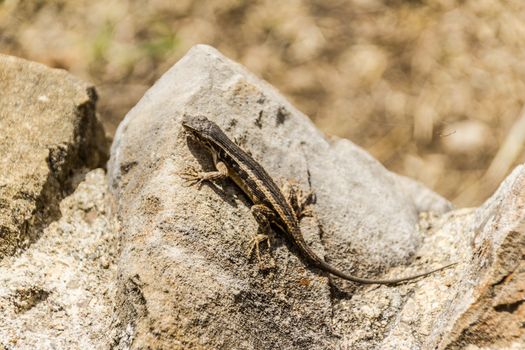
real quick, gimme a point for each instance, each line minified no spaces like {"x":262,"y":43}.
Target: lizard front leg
{"x":194,"y":177}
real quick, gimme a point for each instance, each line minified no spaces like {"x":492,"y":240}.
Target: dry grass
{"x":433,"y":89}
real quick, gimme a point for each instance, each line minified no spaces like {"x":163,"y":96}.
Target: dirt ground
{"x":433,"y":89}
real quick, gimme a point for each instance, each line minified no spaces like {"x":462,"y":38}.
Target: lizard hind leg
{"x":300,"y":201}
{"x":263,"y":215}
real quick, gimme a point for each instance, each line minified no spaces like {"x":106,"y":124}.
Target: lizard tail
{"x":329,"y":268}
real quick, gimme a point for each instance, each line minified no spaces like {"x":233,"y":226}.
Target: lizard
{"x":270,"y":205}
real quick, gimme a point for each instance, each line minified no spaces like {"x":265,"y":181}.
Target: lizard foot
{"x":263,"y":264}
{"x":193,"y":177}
{"x":255,"y":243}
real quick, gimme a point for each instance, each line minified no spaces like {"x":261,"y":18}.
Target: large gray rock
{"x":186,"y":282}
{"x":47,"y":130}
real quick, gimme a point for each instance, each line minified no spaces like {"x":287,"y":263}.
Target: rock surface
{"x":185,"y":280}
{"x":58,"y":293}
{"x":48,"y":130}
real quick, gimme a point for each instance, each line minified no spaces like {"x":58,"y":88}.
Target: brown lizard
{"x":270,"y":206}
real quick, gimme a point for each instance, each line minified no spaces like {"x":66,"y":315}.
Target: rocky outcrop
{"x":185,"y":280}
{"x":48,"y":130}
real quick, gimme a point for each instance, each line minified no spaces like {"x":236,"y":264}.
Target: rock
{"x":199,"y":289}
{"x":48,"y":130}
{"x":481,"y":303}
{"x":488,"y":308}
{"x":59,"y":292}
{"x":423,"y":198}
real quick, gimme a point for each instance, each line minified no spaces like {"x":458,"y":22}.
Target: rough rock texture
{"x":185,"y":280}
{"x":58,"y":293}
{"x":47,"y":130}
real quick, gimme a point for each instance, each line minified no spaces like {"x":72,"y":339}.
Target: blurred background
{"x":433,"y":89}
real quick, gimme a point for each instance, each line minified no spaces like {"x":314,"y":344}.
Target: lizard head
{"x":202,"y":129}
{"x":200,"y":126}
